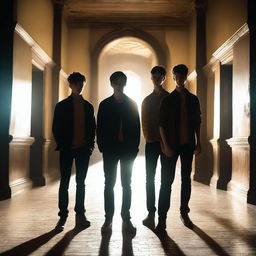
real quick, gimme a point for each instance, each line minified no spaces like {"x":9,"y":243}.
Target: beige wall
{"x":224,"y":18}
{"x":36,"y":17}
{"x":64,"y":45}
{"x":78,"y":57}
{"x":192,"y":43}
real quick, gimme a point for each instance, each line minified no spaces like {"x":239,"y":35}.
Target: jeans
{"x":81,"y":157}
{"x":110,"y":161}
{"x":167,"y":176}
{"x":152,"y":153}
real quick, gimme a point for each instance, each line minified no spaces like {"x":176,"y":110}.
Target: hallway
{"x":224,"y":225}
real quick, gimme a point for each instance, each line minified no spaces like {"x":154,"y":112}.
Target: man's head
{"x":118,"y":80}
{"x":76,"y":82}
{"x":158,"y":74}
{"x":180,"y":73}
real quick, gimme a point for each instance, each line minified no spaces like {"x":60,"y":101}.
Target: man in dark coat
{"x":179,"y":121}
{"x":74,"y":132}
{"x":118,"y":138}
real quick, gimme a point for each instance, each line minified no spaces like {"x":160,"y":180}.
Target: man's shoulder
{"x":64,"y":102}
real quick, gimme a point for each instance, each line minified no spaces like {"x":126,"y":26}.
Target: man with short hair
{"x":150,"y":127}
{"x":74,"y":132}
{"x":180,"y":119}
{"x":118,"y":138}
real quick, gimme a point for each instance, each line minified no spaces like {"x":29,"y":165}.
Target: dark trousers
{"x":81,"y":157}
{"x":152,"y":153}
{"x":110,"y":161}
{"x":167,"y":176}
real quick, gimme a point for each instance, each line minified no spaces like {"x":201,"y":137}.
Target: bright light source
{"x":21,"y":109}
{"x":133,"y":87}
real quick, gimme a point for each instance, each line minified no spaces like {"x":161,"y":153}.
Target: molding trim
{"x":238,"y":142}
{"x":39,"y":57}
{"x":225,"y":53}
{"x":22,"y":141}
{"x":18,"y":182}
{"x":192,"y":76}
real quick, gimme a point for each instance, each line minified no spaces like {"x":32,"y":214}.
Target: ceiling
{"x":136,"y":13}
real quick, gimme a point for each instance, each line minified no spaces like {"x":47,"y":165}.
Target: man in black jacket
{"x":74,"y":132}
{"x":118,"y":138}
{"x":179,"y":121}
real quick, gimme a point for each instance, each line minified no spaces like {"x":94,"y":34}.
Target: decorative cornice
{"x":225,"y":53}
{"x":210,"y":68}
{"x":22,"y":141}
{"x":238,"y":142}
{"x":39,"y":56}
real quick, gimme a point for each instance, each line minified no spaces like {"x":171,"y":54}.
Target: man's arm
{"x":164,"y":145}
{"x":198,"y":148}
{"x":99,"y":128}
{"x":144,"y":120}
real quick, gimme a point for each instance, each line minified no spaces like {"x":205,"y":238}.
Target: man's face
{"x":76,"y":87}
{"x":157,"y":78}
{"x":179,"y":79}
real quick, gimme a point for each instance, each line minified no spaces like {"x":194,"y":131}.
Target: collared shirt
{"x":150,"y":115}
{"x":183,"y":120}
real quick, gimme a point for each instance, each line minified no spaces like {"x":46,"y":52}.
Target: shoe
{"x":81,"y":221}
{"x":186,"y":220}
{"x":149,"y":221}
{"x":61,"y":224}
{"x":107,"y":226}
{"x":161,"y":226}
{"x":128,"y":227}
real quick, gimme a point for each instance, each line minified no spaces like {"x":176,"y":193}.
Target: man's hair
{"x":158,"y":69}
{"x":118,"y":78}
{"x":76,"y":77}
{"x":180,"y":69}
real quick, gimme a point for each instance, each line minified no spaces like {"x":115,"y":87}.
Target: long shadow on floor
{"x":30,"y":246}
{"x":209,"y":241}
{"x":169,"y":246}
{"x":104,"y":244}
{"x":246,"y":235}
{"x":59,"y":248}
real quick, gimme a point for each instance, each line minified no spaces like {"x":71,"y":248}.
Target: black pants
{"x":167,"y":176}
{"x":110,"y":161}
{"x":152,"y":153}
{"x":81,"y":157}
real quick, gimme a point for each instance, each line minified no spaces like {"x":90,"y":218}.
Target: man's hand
{"x":167,"y":151}
{"x":198,"y":149}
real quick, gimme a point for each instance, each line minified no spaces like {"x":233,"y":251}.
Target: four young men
{"x":171,"y":127}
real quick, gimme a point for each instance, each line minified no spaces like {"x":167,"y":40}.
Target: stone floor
{"x":224,"y":224}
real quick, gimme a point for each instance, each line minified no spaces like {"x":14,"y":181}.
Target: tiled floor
{"x":224,"y":225}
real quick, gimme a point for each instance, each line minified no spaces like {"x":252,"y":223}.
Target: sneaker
{"x":149,"y":221}
{"x":161,"y":226}
{"x":61,"y":224}
{"x":186,"y":220}
{"x":107,"y":226}
{"x":128,"y":227}
{"x":81,"y":221}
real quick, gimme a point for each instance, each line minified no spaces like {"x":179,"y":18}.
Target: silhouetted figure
{"x":118,"y":137}
{"x":180,"y":119}
{"x":150,"y":127}
{"x":74,"y":133}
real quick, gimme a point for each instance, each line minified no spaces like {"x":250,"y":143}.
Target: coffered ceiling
{"x":128,"y":12}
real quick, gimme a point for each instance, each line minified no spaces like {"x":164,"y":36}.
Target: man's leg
{"x":81,"y":160}
{"x":167,"y":178}
{"x":126,"y":164}
{"x":152,"y":152}
{"x":186,"y":157}
{"x":110,"y":169}
{"x":66,"y":159}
